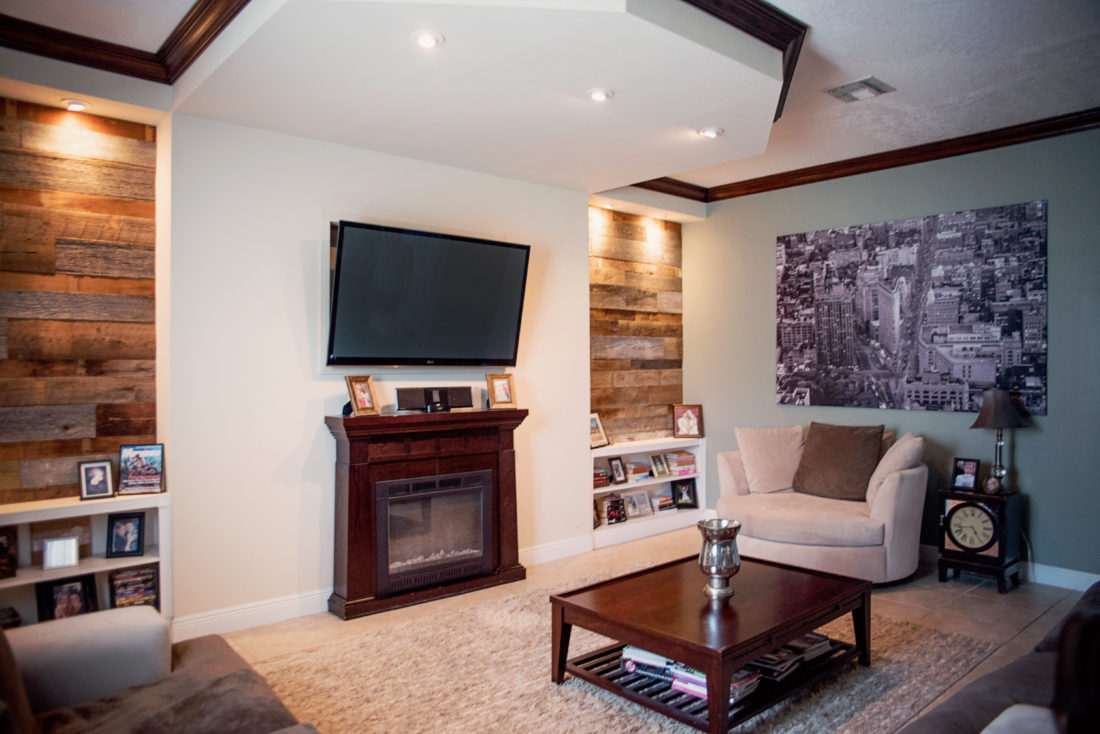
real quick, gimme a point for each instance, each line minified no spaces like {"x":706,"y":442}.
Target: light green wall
{"x":729,"y":324}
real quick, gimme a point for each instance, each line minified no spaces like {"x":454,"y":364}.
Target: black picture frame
{"x":125,"y":534}
{"x":9,"y":551}
{"x":683,"y":494}
{"x":141,"y":469}
{"x":66,"y":597}
{"x":95,"y":480}
{"x":964,"y":473}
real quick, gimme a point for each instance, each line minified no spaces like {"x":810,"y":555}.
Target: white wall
{"x":249,"y":459}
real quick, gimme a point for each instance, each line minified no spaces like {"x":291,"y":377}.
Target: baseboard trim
{"x":243,"y":616}
{"x":1063,"y":578}
{"x":554,"y":551}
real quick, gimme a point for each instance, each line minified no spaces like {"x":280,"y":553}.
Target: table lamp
{"x":998,"y":411}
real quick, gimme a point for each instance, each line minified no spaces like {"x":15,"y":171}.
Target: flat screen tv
{"x":405,"y":297}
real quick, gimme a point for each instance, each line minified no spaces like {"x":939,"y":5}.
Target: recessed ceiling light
{"x":427,"y":39}
{"x":74,"y":105}
{"x":600,"y":94}
{"x":711,"y":132}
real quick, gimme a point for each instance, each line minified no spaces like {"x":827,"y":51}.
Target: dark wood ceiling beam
{"x":765,"y":23}
{"x":42,"y":40}
{"x":197,"y":30}
{"x":1027,"y":132}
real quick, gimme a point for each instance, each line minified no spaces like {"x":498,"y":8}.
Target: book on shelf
{"x":809,"y":646}
{"x":134,"y":586}
{"x":742,"y":684}
{"x":638,"y":655}
{"x":612,"y":509}
{"x":683,"y":678}
{"x":637,"y":472}
{"x":600,"y":478}
{"x":777,"y":664}
{"x":657,"y":672}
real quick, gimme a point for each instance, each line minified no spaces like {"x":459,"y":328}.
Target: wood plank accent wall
{"x":636,"y":323}
{"x":77,"y":330}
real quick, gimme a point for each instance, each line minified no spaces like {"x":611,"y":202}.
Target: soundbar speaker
{"x":431,"y":399}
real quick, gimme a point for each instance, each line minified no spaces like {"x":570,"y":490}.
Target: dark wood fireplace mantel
{"x":377,"y":448}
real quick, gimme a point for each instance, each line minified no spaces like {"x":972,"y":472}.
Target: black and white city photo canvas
{"x":915,"y":314}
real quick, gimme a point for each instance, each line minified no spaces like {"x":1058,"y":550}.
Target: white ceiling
{"x":504,"y":94}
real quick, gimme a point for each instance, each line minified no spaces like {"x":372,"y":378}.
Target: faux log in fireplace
{"x":425,"y":507}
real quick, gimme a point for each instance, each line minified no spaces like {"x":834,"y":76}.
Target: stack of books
{"x":810,"y":646}
{"x":662,"y":499}
{"x":777,"y":664}
{"x":134,"y":586}
{"x":600,"y":478}
{"x":682,"y":678}
{"x":636,"y":472}
{"x":680,"y":463}
{"x":612,"y":509}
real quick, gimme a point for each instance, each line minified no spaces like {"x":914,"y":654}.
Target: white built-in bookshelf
{"x":639,"y":452}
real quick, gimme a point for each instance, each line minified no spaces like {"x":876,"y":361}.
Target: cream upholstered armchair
{"x":821,"y":502}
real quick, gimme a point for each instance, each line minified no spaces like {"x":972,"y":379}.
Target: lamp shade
{"x":998,"y":411}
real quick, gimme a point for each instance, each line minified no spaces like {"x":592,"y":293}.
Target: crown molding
{"x":202,"y":24}
{"x":1050,"y":127}
{"x":765,"y":23}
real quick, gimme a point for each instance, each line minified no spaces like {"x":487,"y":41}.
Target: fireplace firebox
{"x":425,"y":507}
{"x":433,"y":529}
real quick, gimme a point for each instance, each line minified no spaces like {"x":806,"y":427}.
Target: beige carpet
{"x":487,"y":669}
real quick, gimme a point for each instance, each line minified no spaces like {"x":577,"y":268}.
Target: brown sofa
{"x":114,"y":672}
{"x":1061,"y":673}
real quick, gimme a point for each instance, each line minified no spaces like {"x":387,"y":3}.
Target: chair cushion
{"x":905,"y":454}
{"x":837,"y":461}
{"x":770,"y":456}
{"x":792,"y":517}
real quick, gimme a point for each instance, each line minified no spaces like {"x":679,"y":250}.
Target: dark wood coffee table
{"x":663,"y":610}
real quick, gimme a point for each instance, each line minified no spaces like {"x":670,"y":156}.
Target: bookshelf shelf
{"x":661,"y":521}
{"x":19,"y":591}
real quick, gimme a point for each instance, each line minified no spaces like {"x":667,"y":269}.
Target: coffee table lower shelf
{"x":602,"y":668}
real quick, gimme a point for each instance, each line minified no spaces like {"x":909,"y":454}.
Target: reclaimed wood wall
{"x":636,"y":324}
{"x":77,"y":341}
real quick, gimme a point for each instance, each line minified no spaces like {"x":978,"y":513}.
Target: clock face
{"x":971,"y":527}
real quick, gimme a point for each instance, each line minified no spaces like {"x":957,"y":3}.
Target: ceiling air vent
{"x":863,"y":89}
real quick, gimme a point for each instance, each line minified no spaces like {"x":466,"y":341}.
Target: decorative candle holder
{"x":719,"y":558}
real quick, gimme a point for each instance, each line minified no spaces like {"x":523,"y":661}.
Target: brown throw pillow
{"x":838,"y":461}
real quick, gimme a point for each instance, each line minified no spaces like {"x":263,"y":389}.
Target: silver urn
{"x":719,"y":558}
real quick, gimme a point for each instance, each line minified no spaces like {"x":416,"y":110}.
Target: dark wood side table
{"x":980,"y":534}
{"x":663,"y":610}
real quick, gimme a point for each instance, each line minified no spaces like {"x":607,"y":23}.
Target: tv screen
{"x":404,"y":297}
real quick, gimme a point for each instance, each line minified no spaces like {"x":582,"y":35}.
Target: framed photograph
{"x":964,"y":473}
{"x":596,"y":435}
{"x":60,"y":552}
{"x":66,"y":597}
{"x":95,"y":480}
{"x":361,"y":390}
{"x":502,"y":393}
{"x":658,"y":464}
{"x":125,"y":534}
{"x":618,"y":470}
{"x":141,"y":469}
{"x":687,"y":421}
{"x":637,"y":503}
{"x":683,"y":493}
{"x":9,"y":551}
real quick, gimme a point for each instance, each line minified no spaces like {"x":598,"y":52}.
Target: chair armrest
{"x":731,"y":474}
{"x":69,"y":661}
{"x":899,"y":504}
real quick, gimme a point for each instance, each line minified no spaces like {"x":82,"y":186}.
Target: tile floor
{"x":968,"y":604}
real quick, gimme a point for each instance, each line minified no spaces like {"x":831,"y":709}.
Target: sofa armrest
{"x":731,"y":474}
{"x":77,"y":659}
{"x":899,"y":504}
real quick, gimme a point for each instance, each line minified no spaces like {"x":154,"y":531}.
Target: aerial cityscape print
{"x":915,"y":314}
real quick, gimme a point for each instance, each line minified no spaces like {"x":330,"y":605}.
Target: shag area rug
{"x":487,"y":669}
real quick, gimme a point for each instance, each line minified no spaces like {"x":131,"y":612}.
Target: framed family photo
{"x":617,"y":469}
{"x":141,"y":469}
{"x":68,"y":597}
{"x":659,"y":465}
{"x":125,"y":534}
{"x":964,"y":473}
{"x":687,"y":421}
{"x":683,"y":493}
{"x":637,"y":503}
{"x":363,"y":399}
{"x":502,"y":393}
{"x":95,"y":480}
